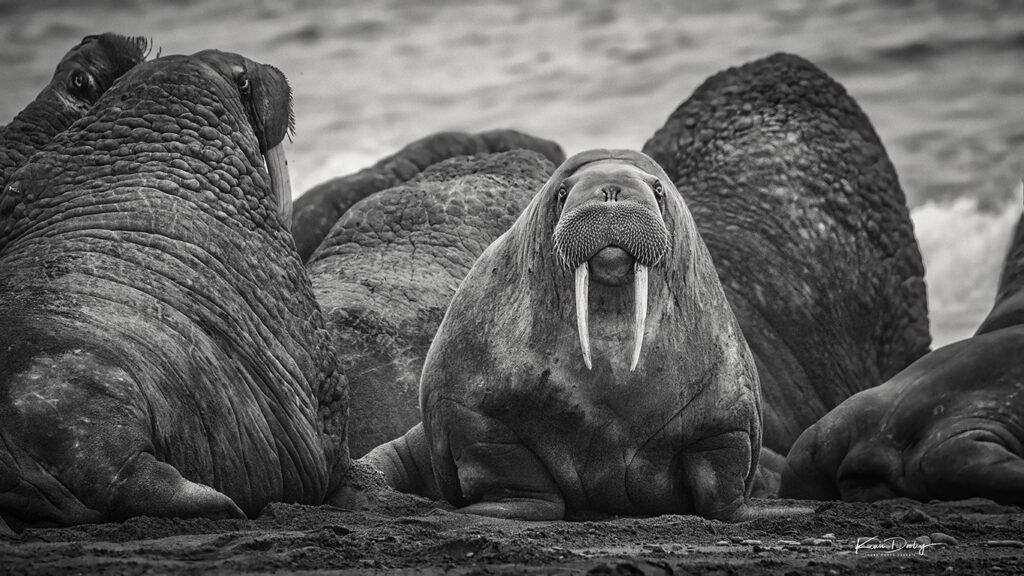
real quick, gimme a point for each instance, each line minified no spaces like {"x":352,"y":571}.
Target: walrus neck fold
{"x":582,"y":294}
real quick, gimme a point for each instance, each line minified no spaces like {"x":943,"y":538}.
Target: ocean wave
{"x":963,"y":244}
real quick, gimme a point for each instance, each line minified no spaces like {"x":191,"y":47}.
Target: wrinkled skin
{"x":949,"y":427}
{"x":389,"y":268}
{"x":515,"y":423}
{"x":317,"y":210}
{"x":161,"y":352}
{"x":809,"y":231}
{"x":82,"y":76}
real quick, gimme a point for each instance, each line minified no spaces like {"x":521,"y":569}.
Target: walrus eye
{"x":79,"y":82}
{"x":659,"y":190}
{"x":243,"y":84}
{"x":563,"y":191}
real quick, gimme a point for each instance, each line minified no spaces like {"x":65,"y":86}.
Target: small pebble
{"x":788,"y":543}
{"x":923,"y":540}
{"x":722,"y":543}
{"x":1005,"y":543}
{"x":816,"y":542}
{"x":751,"y":542}
{"x":829,"y":536}
{"x":735,"y":539}
{"x":943,"y":538}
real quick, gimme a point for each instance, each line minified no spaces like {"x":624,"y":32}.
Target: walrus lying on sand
{"x":589,"y":362}
{"x":950,"y":426}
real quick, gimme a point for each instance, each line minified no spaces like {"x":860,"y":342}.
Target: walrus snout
{"x":612,"y":229}
{"x":585,"y":230}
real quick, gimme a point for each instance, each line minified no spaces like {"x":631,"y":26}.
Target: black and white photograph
{"x":648,"y":287}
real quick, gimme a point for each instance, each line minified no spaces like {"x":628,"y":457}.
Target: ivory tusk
{"x":640,"y":313}
{"x":583,"y":309}
{"x":280,"y":182}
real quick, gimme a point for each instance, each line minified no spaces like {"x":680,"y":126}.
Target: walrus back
{"x":808,"y":227}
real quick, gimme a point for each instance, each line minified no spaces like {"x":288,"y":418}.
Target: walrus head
{"x":267,"y":99}
{"x":611,"y":226}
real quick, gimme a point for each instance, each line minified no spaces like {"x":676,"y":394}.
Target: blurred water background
{"x":941,"y":81}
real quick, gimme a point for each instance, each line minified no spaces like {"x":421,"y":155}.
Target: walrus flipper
{"x":79,"y":449}
{"x":147,"y":486}
{"x":975,"y":463}
{"x":405,"y":463}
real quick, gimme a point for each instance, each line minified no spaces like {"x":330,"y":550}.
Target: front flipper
{"x":719,"y":473}
{"x":405,"y":463}
{"x":975,"y":463}
{"x":482,"y":465}
{"x":505,"y":480}
{"x":148,"y":487}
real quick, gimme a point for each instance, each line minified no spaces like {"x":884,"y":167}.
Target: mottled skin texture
{"x":517,"y":426}
{"x":82,"y":76}
{"x":318,"y":209}
{"x":950,"y":426}
{"x":809,"y":230}
{"x":387,"y":271}
{"x":161,"y":351}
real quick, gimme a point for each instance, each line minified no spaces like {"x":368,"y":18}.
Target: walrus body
{"x":809,"y":230}
{"x":317,"y":211}
{"x":390,"y":266}
{"x":948,"y":427}
{"x":589,"y":362}
{"x":161,"y":352}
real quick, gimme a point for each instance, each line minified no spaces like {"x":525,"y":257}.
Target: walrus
{"x":317,"y":210}
{"x":588,"y":363}
{"x":950,"y":426}
{"x":87,"y":70}
{"x":804,"y":217}
{"x":161,"y":350}
{"x":388,"y":269}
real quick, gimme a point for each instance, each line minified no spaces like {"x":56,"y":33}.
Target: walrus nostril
{"x":610,"y":192}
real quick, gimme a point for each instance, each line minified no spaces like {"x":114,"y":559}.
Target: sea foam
{"x":963,"y":246}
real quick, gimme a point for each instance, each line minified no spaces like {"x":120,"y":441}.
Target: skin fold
{"x":803,"y":215}
{"x":161,"y":351}
{"x":318,"y":209}
{"x":390,"y":266}
{"x":515,"y":424}
{"x":82,"y":76}
{"x":950,"y":426}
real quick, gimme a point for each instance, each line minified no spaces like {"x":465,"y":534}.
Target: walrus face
{"x":90,"y":68}
{"x":611,"y":225}
{"x":267,"y":99}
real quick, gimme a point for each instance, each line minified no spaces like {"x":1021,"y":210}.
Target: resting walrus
{"x":949,"y":426}
{"x":589,"y":362}
{"x":161,"y":351}
{"x":803,"y":214}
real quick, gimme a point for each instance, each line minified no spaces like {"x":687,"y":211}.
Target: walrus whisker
{"x":640,"y":314}
{"x":583,"y":309}
{"x":280,"y":182}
